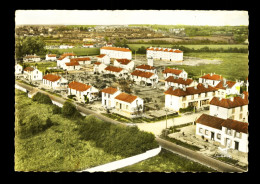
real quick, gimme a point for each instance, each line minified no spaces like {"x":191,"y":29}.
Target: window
{"x":206,"y":132}
{"x":241,"y":108}
{"x":206,"y":94}
{"x":240,"y":116}
{"x":228,"y":131}
{"x":200,"y":130}
{"x":233,"y":110}
{"x":108,"y":95}
{"x":127,"y":107}
{"x":219,"y":136}
{"x":238,"y":134}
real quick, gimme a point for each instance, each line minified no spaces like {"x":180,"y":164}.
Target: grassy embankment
{"x":59,"y":148}
{"x":167,"y":161}
{"x":78,"y":51}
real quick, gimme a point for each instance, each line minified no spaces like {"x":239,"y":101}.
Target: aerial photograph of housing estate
{"x":131,"y":91}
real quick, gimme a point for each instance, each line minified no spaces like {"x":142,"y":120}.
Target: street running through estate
{"x":192,"y":155}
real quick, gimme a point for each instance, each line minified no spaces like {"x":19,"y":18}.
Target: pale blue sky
{"x":117,"y":17}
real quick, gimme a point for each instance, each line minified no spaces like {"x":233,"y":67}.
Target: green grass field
{"x":136,"y":46}
{"x":233,"y":66}
{"x":167,"y":161}
{"x":79,"y":51}
{"x":56,"y":149}
{"x":42,"y":66}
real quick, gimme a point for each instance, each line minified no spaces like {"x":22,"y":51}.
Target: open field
{"x":42,"y":66}
{"x":167,"y":162}
{"x":58,"y":148}
{"x":136,"y":46}
{"x":79,"y":51}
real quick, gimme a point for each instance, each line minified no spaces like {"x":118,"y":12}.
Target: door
{"x":212,"y":135}
{"x":236,"y":145}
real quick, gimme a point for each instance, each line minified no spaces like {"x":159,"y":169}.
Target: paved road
{"x":192,"y":155}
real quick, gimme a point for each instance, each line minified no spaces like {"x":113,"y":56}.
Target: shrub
{"x":42,"y":98}
{"x":71,"y":96}
{"x":69,"y":110}
{"x":188,"y":109}
{"x":56,"y":110}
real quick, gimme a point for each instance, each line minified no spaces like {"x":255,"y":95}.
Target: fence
{"x":125,"y":162}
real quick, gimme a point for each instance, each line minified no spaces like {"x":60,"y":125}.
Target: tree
{"x":29,"y":45}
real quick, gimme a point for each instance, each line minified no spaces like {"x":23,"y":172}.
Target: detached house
{"x":32,"y":74}
{"x":235,"y":108}
{"x":128,"y":105}
{"x":18,"y":69}
{"x":72,"y":66}
{"x":50,"y":57}
{"x":82,"y":91}
{"x":31,"y":58}
{"x":81,"y":60}
{"x":228,"y":87}
{"x":117,"y":71}
{"x":147,"y":78}
{"x":99,"y":67}
{"x":54,"y":81}
{"x":108,"y":97}
{"x":103,"y":58}
{"x":211,"y":79}
{"x":173,"y":81}
{"x":198,"y":96}
{"x":124,"y":63}
{"x":146,"y":68}
{"x":227,"y":133}
{"x":65,"y":58}
{"x":174,"y":72}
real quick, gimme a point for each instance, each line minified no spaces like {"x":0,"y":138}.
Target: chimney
{"x":210,"y":74}
{"x":232,"y":99}
{"x":195,"y":87}
{"x":243,"y":96}
{"x":184,"y":88}
{"x":224,"y":82}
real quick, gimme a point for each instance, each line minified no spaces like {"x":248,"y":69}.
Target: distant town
{"x":173,"y":87}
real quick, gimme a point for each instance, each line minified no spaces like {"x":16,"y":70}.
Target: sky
{"x":124,"y":17}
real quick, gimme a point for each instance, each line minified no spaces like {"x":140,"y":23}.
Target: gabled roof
{"x":29,"y":69}
{"x":146,"y":67}
{"x":140,"y":73}
{"x":165,"y":49}
{"x":123,"y":61}
{"x":101,"y":55}
{"x":236,"y":125}
{"x":97,"y":63}
{"x":210,"y":121}
{"x":212,"y":77}
{"x":78,"y":86}
{"x":109,"y":90}
{"x":126,"y":97}
{"x":200,"y":88}
{"x":177,"y":51}
{"x":179,"y":80}
{"x":51,"y":77}
{"x":117,"y":49}
{"x":229,"y":84}
{"x":72,"y":63}
{"x":80,"y":59}
{"x":113,"y":68}
{"x":228,"y":103}
{"x":65,"y":55}
{"x":172,"y":70}
{"x":218,"y":123}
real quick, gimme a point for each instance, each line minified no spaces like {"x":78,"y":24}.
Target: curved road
{"x":192,"y":155}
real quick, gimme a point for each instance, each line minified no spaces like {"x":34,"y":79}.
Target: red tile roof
{"x":126,"y":97}
{"x":146,"y":67}
{"x":229,"y":84}
{"x":177,"y":51}
{"x":179,"y":80}
{"x":212,"y":77}
{"x":210,"y":121}
{"x":65,"y":55}
{"x":171,"y":70}
{"x":218,"y":123}
{"x":113,"y":68}
{"x":123,"y":61}
{"x":109,"y":90}
{"x":80,"y":59}
{"x":72,"y":63}
{"x":29,"y":68}
{"x":165,"y":50}
{"x":236,"y":125}
{"x":116,"y":49}
{"x":227,"y":103}
{"x":97,"y":63}
{"x":140,"y":73}
{"x":51,"y":55}
{"x":51,"y":77}
{"x":78,"y":86}
{"x":101,"y":55}
{"x":190,"y":90}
